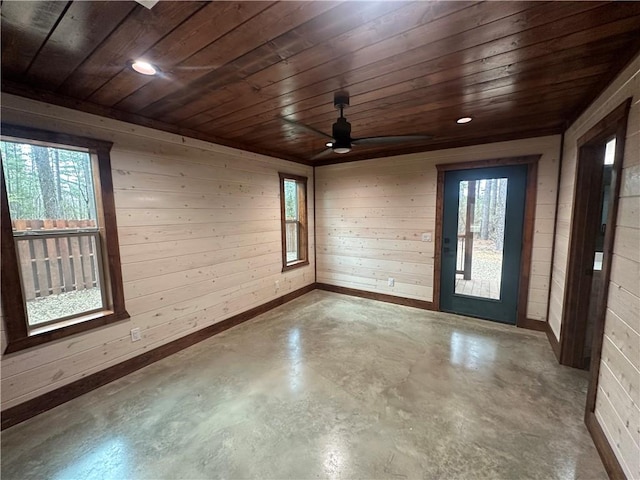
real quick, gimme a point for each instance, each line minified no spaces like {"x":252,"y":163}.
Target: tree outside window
{"x":62,"y":272}
{"x":53,"y":214}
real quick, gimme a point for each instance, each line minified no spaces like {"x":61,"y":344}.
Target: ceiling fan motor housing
{"x":341,"y":100}
{"x":341,"y":133}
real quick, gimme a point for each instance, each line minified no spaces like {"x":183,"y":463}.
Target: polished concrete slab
{"x":327,"y":386}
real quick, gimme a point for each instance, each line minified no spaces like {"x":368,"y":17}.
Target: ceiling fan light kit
{"x":341,"y":149}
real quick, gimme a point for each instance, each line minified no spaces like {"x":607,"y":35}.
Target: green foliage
{"x":291,"y":199}
{"x":488,"y":212}
{"x":48,"y":182}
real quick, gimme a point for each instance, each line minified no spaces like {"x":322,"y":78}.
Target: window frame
{"x":18,"y":334}
{"x":302,"y":222}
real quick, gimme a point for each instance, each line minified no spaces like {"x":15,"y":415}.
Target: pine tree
{"x":46,"y":181}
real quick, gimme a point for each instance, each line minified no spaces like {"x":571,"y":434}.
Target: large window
{"x":60,"y":261}
{"x":293,"y":200}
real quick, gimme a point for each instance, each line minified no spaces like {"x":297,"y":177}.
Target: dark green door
{"x":482,"y":241}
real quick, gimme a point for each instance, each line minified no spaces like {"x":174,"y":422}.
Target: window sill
{"x":49,"y":333}
{"x":293,"y":265}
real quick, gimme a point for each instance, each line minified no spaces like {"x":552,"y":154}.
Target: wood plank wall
{"x":618,"y":397}
{"x":370,"y":216}
{"x":199,"y":229}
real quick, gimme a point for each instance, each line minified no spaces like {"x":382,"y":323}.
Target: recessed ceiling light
{"x":329,"y":144}
{"x":145,"y":68}
{"x":464,"y":120}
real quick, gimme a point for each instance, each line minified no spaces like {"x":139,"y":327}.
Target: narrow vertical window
{"x":293,"y":202}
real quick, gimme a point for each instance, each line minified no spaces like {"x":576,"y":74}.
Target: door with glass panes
{"x":482,"y":233}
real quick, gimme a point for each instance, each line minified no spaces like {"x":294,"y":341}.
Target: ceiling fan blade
{"x":301,"y":126}
{"x":322,"y":154}
{"x":390,"y":140}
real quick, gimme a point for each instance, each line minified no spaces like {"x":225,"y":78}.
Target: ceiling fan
{"x":341,"y":140}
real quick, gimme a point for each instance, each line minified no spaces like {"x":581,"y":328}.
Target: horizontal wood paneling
{"x":199,"y":229}
{"x":627,"y":407}
{"x":137,"y":234}
{"x":616,"y":407}
{"x":619,"y":375}
{"x":371,"y":215}
{"x":615,"y":434}
{"x":253,"y":255}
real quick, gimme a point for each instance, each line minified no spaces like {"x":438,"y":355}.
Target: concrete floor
{"x":327,"y":386}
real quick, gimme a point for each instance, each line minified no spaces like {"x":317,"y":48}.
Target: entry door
{"x":482,"y":241}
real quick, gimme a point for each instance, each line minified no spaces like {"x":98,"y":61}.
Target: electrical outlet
{"x":135,"y":334}
{"x":426,"y":237}
{"x":391,"y":281}
{"x":277,"y":284}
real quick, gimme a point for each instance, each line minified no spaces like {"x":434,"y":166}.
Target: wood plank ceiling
{"x":231,"y":71}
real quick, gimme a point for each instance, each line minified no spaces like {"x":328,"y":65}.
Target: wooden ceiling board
{"x":356,"y":50}
{"x":491,"y":130}
{"x":269,"y":23}
{"x":442,"y":130}
{"x":440,"y":124}
{"x":231,"y":71}
{"x":305,"y":45}
{"x":478,"y":86}
{"x":82,"y":28}
{"x":537,"y":78}
{"x":207,"y":25}
{"x":271,"y":81}
{"x":372,"y":77}
{"x":494,"y":129}
{"x":25,"y":27}
{"x":436,"y":113}
{"x":410,"y":88}
{"x":432,"y":122}
{"x":128,"y":42}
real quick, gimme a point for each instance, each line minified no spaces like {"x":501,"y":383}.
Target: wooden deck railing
{"x":464,"y":258}
{"x":61,"y":260}
{"x":292,"y":239}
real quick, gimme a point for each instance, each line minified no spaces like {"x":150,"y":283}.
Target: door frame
{"x":527,"y":234}
{"x":575,"y":304}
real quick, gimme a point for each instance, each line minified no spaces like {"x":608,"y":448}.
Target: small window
{"x":610,"y":151}
{"x":63,"y":273}
{"x":293,"y":200}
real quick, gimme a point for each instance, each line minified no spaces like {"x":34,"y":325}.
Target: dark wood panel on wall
{"x":231,"y":71}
